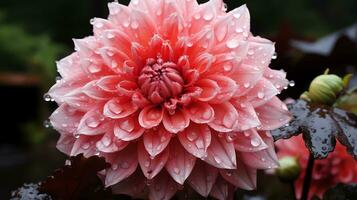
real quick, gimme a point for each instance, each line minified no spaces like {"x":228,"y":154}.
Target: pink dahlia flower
{"x":338,"y":167}
{"x":171,"y":93}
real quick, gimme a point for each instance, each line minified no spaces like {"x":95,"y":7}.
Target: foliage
{"x":79,"y":180}
{"x":321,"y":125}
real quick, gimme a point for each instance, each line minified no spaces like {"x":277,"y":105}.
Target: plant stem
{"x":293,"y":190}
{"x":307,"y":179}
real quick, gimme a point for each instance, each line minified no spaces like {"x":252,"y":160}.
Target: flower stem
{"x":293,"y":190}
{"x":307,"y":180}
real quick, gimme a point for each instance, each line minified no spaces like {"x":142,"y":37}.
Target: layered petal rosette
{"x":338,"y":167}
{"x":171,"y":93}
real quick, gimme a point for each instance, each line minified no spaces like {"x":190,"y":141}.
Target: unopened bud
{"x":324,"y":89}
{"x":289,"y":169}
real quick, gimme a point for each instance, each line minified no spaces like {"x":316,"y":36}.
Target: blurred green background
{"x":34,"y":34}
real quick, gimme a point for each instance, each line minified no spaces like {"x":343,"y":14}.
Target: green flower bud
{"x":325,"y":89}
{"x":289,"y":169}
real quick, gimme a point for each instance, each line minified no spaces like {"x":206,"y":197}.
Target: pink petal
{"x":162,"y":187}
{"x":234,"y":25}
{"x":246,"y":76}
{"x":176,"y":122}
{"x":203,"y":178}
{"x":227,"y":88}
{"x":156,"y":141}
{"x":119,"y":107}
{"x":85,"y":145}
{"x":65,"y":143}
{"x":210,"y":89}
{"x":249,"y":141}
{"x":273,"y":114}
{"x":151,"y":116}
{"x":201,"y":112}
{"x":180,"y":162}
{"x":222,"y":190}
{"x":243,"y":177}
{"x":262,"y":47}
{"x":128,"y":129}
{"x":123,"y":164}
{"x":109,"y":83}
{"x":264,"y":159}
{"x":151,"y":166}
{"x":221,"y":153}
{"x":262,"y":92}
{"x":92,"y":90}
{"x":196,"y":139}
{"x":277,"y":78}
{"x":203,"y":62}
{"x":93,"y":123}
{"x":67,"y":68}
{"x":110,"y":144}
{"x":66,"y":119}
{"x":78,"y":100}
{"x":226,"y":117}
{"x":247,"y":118}
{"x":126,"y":186}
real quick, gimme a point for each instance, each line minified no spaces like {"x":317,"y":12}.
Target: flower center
{"x":160,"y":80}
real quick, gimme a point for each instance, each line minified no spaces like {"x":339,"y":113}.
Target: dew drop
{"x":229,"y":173}
{"x":292,"y":83}
{"x":261,"y":95}
{"x":94,"y":69}
{"x":197,"y":16}
{"x":236,"y":15}
{"x":218,"y":160}
{"x":47,"y":97}
{"x":192,"y":136}
{"x":92,"y":122}
{"x":228,"y":67}
{"x":208,"y":16}
{"x":47,"y":124}
{"x":239,"y":30}
{"x":134,"y":25}
{"x":232,"y":43}
{"x":85,"y":146}
{"x":255,"y":142}
{"x":246,"y":85}
{"x":114,"y":166}
{"x":275,"y":56}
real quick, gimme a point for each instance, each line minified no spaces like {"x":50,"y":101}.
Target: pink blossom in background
{"x":338,"y":167}
{"x":172,"y":93}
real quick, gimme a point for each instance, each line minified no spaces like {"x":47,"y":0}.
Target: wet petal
{"x":118,"y":108}
{"x":203,"y":178}
{"x":180,"y":162}
{"x":151,"y":116}
{"x":176,"y":122}
{"x":151,"y":166}
{"x":221,"y":153}
{"x":226,"y":117}
{"x":200,"y":112}
{"x":196,"y":139}
{"x":156,"y":141}
{"x":123,"y":164}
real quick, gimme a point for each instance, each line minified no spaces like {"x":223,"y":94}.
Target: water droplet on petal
{"x":292,"y":83}
{"x":47,"y":97}
{"x":114,"y":166}
{"x":255,"y":142}
{"x":85,"y":146}
{"x":261,"y":95}
{"x":192,"y":136}
{"x":246,"y":85}
{"x":208,"y":16}
{"x":236,"y":15}
{"x":232,"y":43}
{"x":47,"y":124}
{"x":92,"y":122}
{"x":275,"y":56}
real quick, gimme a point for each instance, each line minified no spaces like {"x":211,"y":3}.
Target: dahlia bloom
{"x":338,"y":167}
{"x":171,"y":93}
